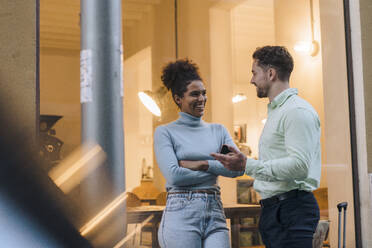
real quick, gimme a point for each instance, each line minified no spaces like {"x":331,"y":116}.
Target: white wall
{"x":252,"y":27}
{"x":137,"y":119}
{"x":60,"y":94}
{"x":336,"y":125}
{"x":155,"y":30}
{"x":221,"y":86}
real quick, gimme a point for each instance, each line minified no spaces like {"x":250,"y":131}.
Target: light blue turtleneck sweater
{"x":190,"y":138}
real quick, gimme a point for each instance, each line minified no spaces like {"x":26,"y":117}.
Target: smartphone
{"x":224,"y":150}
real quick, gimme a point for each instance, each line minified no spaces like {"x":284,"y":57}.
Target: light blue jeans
{"x":193,"y":220}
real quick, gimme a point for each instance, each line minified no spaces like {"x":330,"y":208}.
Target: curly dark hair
{"x":178,"y":75}
{"x":276,"y":57}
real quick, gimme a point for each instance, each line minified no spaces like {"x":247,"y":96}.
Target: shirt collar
{"x":280,"y":99}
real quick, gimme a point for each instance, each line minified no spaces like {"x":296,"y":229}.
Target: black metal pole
{"x":352,"y":120}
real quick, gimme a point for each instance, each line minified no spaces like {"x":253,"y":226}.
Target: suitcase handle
{"x":342,"y":205}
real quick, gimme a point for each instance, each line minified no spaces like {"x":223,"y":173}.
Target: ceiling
{"x":59,"y":21}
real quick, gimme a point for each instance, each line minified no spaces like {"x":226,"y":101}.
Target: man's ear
{"x":272,"y":74}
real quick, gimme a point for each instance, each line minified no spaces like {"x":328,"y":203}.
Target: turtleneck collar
{"x":189,"y":120}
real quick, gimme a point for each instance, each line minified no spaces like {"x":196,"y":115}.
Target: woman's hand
{"x":199,"y":165}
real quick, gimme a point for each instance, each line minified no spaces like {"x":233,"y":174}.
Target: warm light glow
{"x":264,"y":121}
{"x":60,"y":179}
{"x":307,"y":47}
{"x":135,"y":231}
{"x":72,"y":170}
{"x":149,"y":103}
{"x":303,"y":47}
{"x":103,"y":214}
{"x":239,"y":98}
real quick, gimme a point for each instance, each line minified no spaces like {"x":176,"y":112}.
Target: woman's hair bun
{"x":179,"y":74}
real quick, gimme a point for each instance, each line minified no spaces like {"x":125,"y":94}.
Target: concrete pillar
{"x":102,"y":114}
{"x":19,"y":64}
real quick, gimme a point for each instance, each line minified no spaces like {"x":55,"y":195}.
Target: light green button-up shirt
{"x":289,"y":147}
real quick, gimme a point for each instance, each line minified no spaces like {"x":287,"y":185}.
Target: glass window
{"x":220,"y":36}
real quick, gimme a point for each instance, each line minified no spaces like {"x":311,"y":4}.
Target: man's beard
{"x":262,"y":92}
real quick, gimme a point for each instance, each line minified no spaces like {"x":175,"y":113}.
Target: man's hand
{"x":200,"y":165}
{"x":235,"y":160}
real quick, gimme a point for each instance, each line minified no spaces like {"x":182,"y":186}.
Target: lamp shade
{"x":238,"y":98}
{"x":149,"y":103}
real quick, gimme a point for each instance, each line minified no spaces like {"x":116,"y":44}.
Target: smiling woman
{"x":193,"y":100}
{"x":182,"y":150}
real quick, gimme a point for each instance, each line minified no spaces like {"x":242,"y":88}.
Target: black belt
{"x":200,"y":191}
{"x":280,"y":197}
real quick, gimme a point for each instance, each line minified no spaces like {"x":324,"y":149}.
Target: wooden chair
{"x":133,"y":200}
{"x":161,"y":199}
{"x":146,"y":192}
{"x":321,"y":234}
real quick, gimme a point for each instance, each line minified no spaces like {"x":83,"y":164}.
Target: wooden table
{"x":233,"y":212}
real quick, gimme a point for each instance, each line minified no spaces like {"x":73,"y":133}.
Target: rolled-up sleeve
{"x":301,"y":135}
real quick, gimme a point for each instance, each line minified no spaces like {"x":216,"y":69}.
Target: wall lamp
{"x":309,"y":47}
{"x":239,"y":97}
{"x":153,"y":100}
